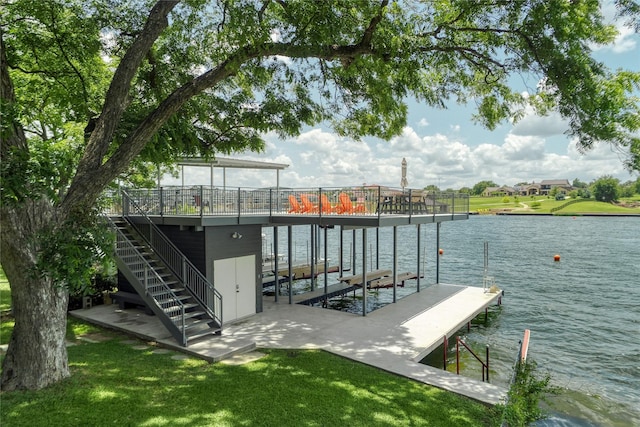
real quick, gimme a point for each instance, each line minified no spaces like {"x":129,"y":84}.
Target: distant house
{"x":499,"y":191}
{"x":529,"y":189}
{"x":548,"y":184}
{"x":544,"y":187}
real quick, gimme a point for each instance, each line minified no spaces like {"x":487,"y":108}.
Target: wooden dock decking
{"x":387,"y":281}
{"x":304,"y":271}
{"x":356,"y":279}
{"x":380,"y":279}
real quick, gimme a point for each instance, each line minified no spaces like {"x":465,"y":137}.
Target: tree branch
{"x":368,"y":33}
{"x":115,"y":103}
{"x":67,"y":59}
{"x":11,"y":132}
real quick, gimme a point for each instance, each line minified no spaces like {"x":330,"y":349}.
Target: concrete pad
{"x":393,"y":338}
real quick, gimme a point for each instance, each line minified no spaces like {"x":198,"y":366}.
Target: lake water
{"x":583,"y":311}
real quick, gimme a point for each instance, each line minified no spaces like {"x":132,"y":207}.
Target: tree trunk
{"x":37,"y":354}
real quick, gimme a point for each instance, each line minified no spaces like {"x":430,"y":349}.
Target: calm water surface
{"x":583,"y":312}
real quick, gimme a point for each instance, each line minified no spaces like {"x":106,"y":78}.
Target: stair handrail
{"x":190,"y":276}
{"x":121,"y":239}
{"x":485,"y":365}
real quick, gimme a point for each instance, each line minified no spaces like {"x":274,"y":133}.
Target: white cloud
{"x":319,"y":158}
{"x":626,"y":40}
{"x":535,"y":125}
{"x":518,"y":147}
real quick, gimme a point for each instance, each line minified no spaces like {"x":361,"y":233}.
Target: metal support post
{"x":289,"y":258}
{"x":438,"y":253}
{"x":313,"y":257}
{"x":364,"y":271}
{"x":444,"y":353}
{"x":418,"y":251}
{"x":275,"y":262}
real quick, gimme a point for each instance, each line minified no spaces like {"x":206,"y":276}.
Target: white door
{"x":235,"y":279}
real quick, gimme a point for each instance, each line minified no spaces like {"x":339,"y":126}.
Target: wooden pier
{"x":356,"y":279}
{"x":387,"y":281}
{"x":304,"y":271}
{"x":380,"y":279}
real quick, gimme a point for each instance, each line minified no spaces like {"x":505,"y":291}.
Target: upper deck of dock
{"x":366,"y":206}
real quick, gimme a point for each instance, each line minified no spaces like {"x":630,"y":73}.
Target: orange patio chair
{"x":307,"y":206}
{"x":347,"y":207}
{"x":295,"y":205}
{"x":325,"y":205}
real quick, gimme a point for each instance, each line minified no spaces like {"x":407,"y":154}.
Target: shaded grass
{"x":75,"y":329}
{"x":113,"y":383}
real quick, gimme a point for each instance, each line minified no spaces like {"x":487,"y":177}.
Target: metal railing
{"x":322,"y":201}
{"x":195,"y":282}
{"x":154,"y":285}
{"x":485,"y":364}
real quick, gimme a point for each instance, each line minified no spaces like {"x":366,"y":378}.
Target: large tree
{"x":479,"y":187}
{"x":93,"y":88}
{"x":606,"y":189}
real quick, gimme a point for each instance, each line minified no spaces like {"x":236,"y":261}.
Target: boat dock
{"x":393,"y":338}
{"x":377,"y":279}
{"x":320,"y":295}
{"x":356,"y":279}
{"x":387,"y":281}
{"x":304,"y":271}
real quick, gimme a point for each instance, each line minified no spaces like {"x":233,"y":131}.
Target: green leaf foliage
{"x":71,"y":254}
{"x":606,"y":189}
{"x":525,"y":394}
{"x":294,"y":64}
{"x":223,"y":74}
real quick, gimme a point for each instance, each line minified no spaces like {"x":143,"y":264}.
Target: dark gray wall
{"x":190,"y":242}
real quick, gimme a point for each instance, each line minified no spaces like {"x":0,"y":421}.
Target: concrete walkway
{"x":393,"y":338}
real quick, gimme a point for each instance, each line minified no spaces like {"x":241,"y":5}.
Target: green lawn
{"x":115,"y":384}
{"x":525,"y":204}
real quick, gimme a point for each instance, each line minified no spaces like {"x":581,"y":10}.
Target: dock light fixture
{"x":236,"y":235}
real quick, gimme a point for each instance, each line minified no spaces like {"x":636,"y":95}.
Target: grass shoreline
{"x":122,"y":381}
{"x":548,"y":206}
{"x":612,"y":215}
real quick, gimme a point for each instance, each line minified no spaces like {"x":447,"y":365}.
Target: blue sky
{"x":442,"y":147}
